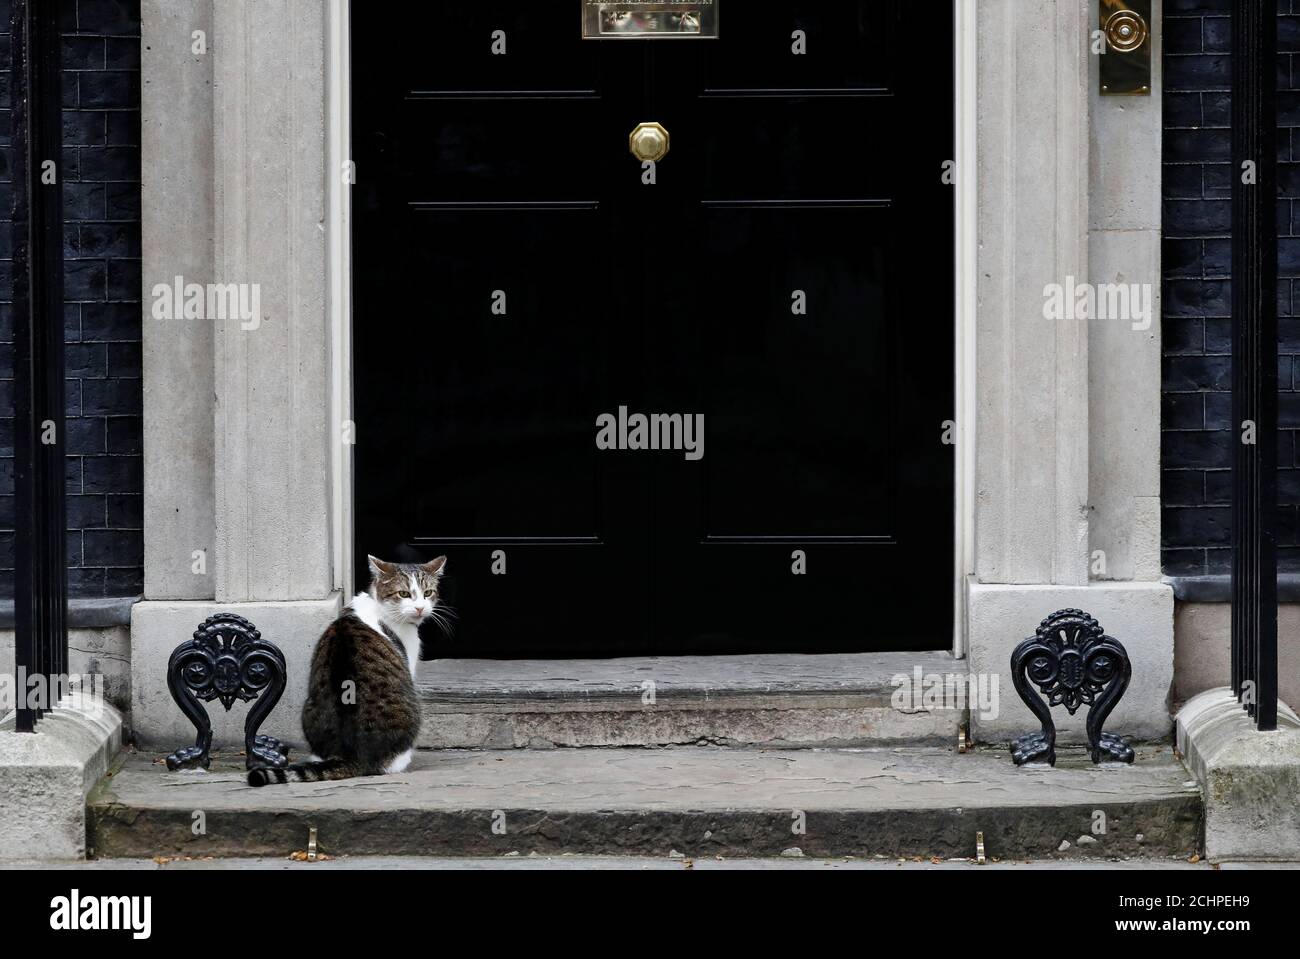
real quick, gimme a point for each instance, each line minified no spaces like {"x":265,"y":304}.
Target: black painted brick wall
{"x":101,"y":181}
{"x":1196,"y":432}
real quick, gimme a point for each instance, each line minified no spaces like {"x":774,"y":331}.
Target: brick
{"x":1182,"y":487}
{"x":84,"y":435}
{"x":122,"y":53}
{"x":85,"y":279}
{"x":113,"y":397}
{"x":83,"y":53}
{"x":84,"y":128}
{"x":1185,"y":36}
{"x":1191,"y":218}
{"x":126,"y":511}
{"x":86,"y":360}
{"x":1218,"y":561}
{"x":1197,"y":146}
{"x":1183,"y":181}
{"x":118,"y":163}
{"x":1183,"y":109}
{"x":86,"y":583}
{"x":114,"y":474}
{"x":1189,"y":298}
{"x":114,"y":89}
{"x":1182,"y":258}
{"x":1182,"y":373}
{"x":1218,"y":411}
{"x":124,"y":359}
{"x":1216,"y":34}
{"x":117,"y":18}
{"x":1218,"y":487}
{"x":1216,"y":258}
{"x":125,"y":434}
{"x":124,"y":581}
{"x":1183,"y":562}
{"x":112,"y":547}
{"x":87,"y":512}
{"x":124,"y":280}
{"x":1197,"y":72}
{"x":123,"y":128}
{"x":111,"y":322}
{"x":1193,"y":450}
{"x":1217,"y":179}
{"x":110,"y":240}
{"x":1183,"y":336}
{"x":83,"y":201}
{"x":1206,"y":526}
{"x":122,"y":201}
{"x":1216,"y":108}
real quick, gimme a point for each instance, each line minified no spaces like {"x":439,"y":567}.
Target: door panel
{"x":814,"y":176}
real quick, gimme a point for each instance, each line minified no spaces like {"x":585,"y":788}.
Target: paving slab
{"x":695,"y":801}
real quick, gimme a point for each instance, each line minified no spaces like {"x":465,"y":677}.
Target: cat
{"x":362,"y":714}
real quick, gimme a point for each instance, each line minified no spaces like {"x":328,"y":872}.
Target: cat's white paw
{"x":401,"y":763}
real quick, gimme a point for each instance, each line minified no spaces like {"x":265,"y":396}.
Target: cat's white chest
{"x":367,"y":609}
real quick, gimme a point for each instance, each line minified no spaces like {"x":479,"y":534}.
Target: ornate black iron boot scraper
{"x":1072,"y":662}
{"x":227,"y":660}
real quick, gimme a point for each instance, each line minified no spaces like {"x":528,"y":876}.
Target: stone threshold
{"x":689,"y":801}
{"x":763,"y":700}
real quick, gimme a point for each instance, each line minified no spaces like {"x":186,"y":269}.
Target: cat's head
{"x":407,"y":592}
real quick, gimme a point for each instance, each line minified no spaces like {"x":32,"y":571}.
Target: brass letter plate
{"x":1124,"y":43}
{"x":650,"y":20}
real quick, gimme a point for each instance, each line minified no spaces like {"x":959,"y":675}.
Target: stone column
{"x":1038,"y":180}
{"x":268,"y":375}
{"x":272,"y":382}
{"x":177,"y":220}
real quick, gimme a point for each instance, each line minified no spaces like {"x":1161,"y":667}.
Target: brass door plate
{"x":650,"y":20}
{"x":1125,"y":43}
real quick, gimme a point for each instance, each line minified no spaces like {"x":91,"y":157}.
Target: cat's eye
{"x":404,"y":594}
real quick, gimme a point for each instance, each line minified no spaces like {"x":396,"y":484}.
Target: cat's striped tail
{"x":309,"y":772}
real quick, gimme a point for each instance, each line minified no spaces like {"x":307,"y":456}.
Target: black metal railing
{"x":41,"y":580}
{"x":1254,"y":358}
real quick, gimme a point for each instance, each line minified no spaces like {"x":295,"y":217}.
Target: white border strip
{"x":338,"y":79}
{"x":966,"y":239}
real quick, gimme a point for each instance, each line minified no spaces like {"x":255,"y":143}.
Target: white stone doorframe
{"x":244,"y":153}
{"x":338,"y":69}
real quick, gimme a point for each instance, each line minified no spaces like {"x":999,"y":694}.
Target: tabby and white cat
{"x":362,"y":714}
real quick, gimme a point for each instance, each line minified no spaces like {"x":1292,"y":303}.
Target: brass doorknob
{"x":649,"y":142}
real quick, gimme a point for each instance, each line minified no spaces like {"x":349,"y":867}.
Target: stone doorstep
{"x":787,"y":701}
{"x":695,"y":801}
{"x":46,"y":775}
{"x":1250,"y":779}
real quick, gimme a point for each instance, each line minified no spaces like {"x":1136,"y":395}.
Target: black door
{"x":786,"y":278}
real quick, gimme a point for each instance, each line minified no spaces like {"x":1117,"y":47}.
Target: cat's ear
{"x":379,"y":568}
{"x":435,"y":567}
